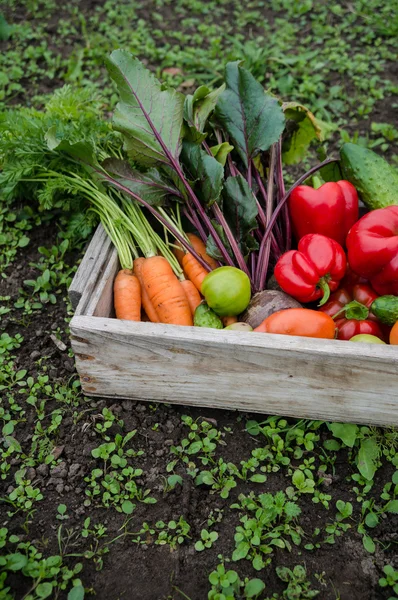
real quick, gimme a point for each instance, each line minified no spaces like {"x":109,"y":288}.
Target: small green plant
{"x":220,"y":478}
{"x":115,"y":484}
{"x":298,"y":586}
{"x":105,"y":422}
{"x":47,"y":577}
{"x":202,"y":439}
{"x":228,"y":585}
{"x":171,"y":482}
{"x":24,"y":496}
{"x":173,"y":533}
{"x":8,"y":343}
{"x":334,"y":529}
{"x":390,"y":579}
{"x":61,"y":512}
{"x":285,"y":441}
{"x":269,"y":523}
{"x":207,"y":539}
{"x":99,"y":530}
{"x":368,"y":445}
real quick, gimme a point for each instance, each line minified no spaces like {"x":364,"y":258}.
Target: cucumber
{"x":375,"y":180}
{"x":206,"y":317}
{"x":385,"y":309}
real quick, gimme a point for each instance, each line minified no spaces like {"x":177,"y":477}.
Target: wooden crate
{"x":279,"y":375}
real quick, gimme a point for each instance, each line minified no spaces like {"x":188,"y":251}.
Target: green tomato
{"x":367,"y":339}
{"x":227,"y":291}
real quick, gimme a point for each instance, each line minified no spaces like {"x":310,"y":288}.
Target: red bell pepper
{"x":354,"y":307}
{"x":372,"y":245}
{"x":313,"y":270}
{"x":329,"y":210}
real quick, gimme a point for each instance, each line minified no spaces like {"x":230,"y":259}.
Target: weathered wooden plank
{"x":100,"y":303}
{"x":90,"y":270}
{"x":281,"y":375}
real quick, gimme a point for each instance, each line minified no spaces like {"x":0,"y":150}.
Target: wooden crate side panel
{"x":283,"y":375}
{"x":101,"y":302}
{"x":90,"y":271}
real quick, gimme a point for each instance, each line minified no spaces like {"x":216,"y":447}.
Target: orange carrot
{"x":179,"y":253}
{"x":127,"y":296}
{"x":229,"y":320}
{"x":193,"y":270}
{"x":200,"y":247}
{"x":192,"y":294}
{"x":165,"y":292}
{"x":146,"y":303}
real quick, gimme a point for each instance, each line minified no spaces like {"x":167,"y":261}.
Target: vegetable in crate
{"x":375,"y":180}
{"x":243,"y":327}
{"x":313,"y":270}
{"x":347,"y":328}
{"x":192,"y":294}
{"x":385,"y":309}
{"x":354,"y":302}
{"x":206,"y":317}
{"x":238,"y":208}
{"x":227,"y":291}
{"x":166,"y":292}
{"x":394,"y":335}
{"x":301,"y":322}
{"x":353,"y":309}
{"x":127,"y":296}
{"x":331,"y":210}
{"x":192,"y":268}
{"x":146,"y":303}
{"x":366,"y":339}
{"x":265,"y":303}
{"x":372,"y":246}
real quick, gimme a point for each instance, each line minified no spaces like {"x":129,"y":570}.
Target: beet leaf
{"x":253,"y":119}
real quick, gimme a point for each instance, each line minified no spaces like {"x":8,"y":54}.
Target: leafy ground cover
{"x":131,"y":500}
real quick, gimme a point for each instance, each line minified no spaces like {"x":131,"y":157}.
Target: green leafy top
{"x":150,"y":118}
{"x":252,"y":118}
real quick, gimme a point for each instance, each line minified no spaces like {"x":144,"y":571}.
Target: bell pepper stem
{"x":317,"y":181}
{"x":323,"y":284}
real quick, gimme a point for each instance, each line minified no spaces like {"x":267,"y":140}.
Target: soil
{"x":149,"y":571}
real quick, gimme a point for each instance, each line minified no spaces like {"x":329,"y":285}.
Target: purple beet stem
{"x":265,"y":247}
{"x":281,"y":193}
{"x":230,"y":237}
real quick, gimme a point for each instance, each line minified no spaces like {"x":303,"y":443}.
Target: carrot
{"x":179,"y":253}
{"x":192,"y":294}
{"x":193,"y":270}
{"x":146,"y":303}
{"x":165,"y":292}
{"x":127,"y":296}
{"x":229,"y":320}
{"x":200,"y":247}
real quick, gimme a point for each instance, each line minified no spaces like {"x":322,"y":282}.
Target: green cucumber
{"x":206,"y":317}
{"x":376,"y":181}
{"x":385,"y":309}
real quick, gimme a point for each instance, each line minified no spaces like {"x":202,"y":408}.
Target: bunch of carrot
{"x":164,"y":296}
